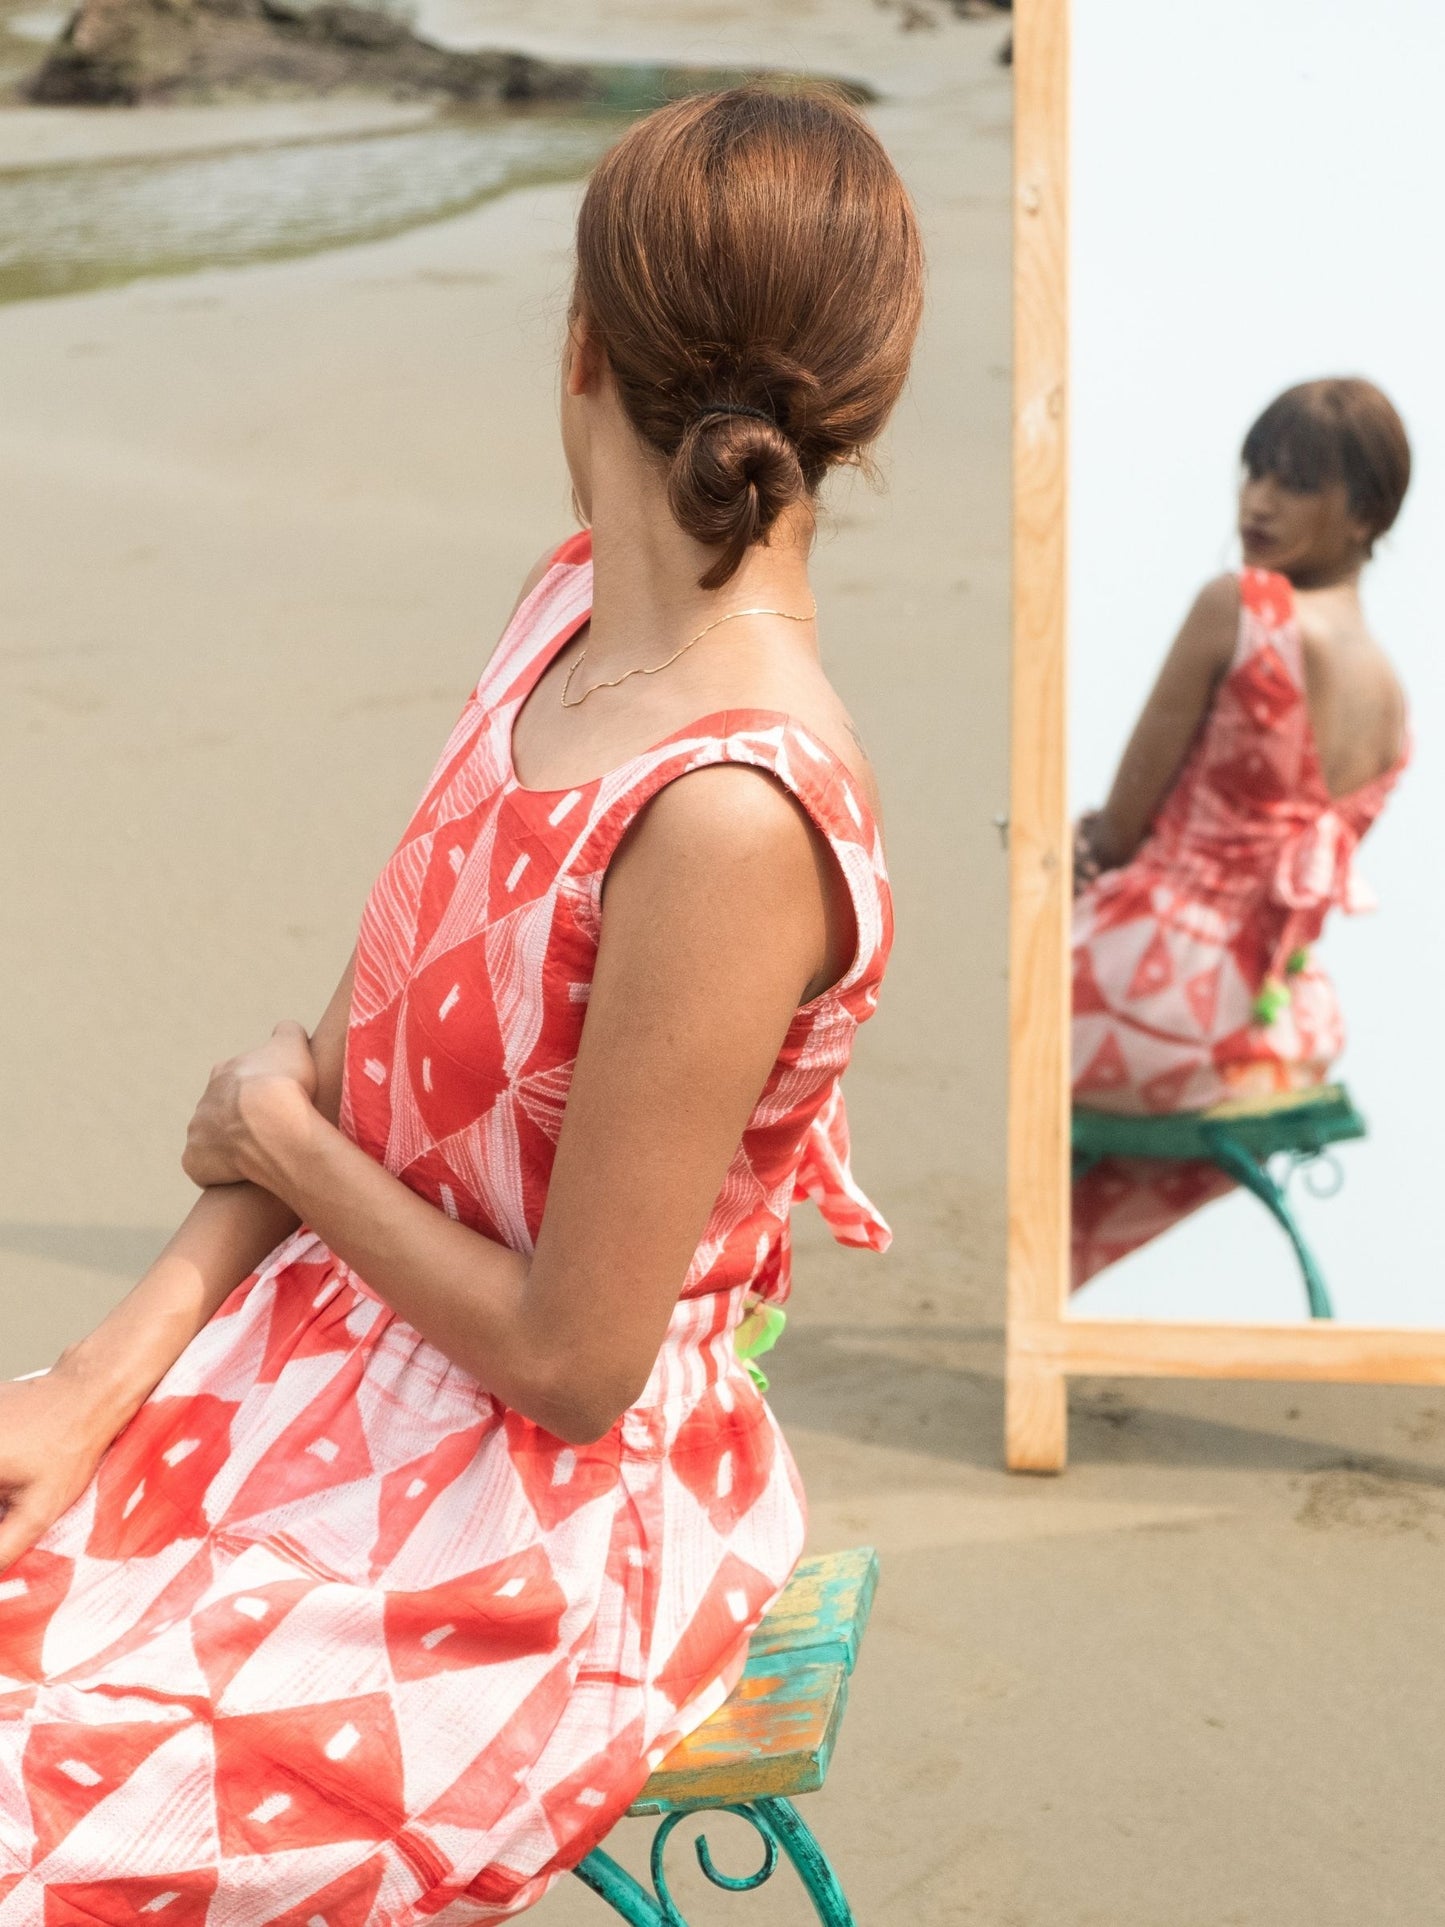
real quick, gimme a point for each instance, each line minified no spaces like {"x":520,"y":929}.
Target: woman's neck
{"x":1344,"y":577}
{"x":645,"y":595}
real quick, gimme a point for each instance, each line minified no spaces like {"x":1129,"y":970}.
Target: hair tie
{"x":737,"y":408}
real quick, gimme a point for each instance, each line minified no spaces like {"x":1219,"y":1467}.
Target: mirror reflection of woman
{"x":1270,"y":741}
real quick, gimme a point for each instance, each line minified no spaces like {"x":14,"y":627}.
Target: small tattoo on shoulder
{"x":853,"y":732}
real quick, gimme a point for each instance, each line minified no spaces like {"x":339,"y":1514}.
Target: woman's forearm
{"x":464,"y":1292}
{"x":228,"y":1232}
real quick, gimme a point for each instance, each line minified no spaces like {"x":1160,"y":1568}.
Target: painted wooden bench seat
{"x":772,"y":1740}
{"x":1240,"y":1138}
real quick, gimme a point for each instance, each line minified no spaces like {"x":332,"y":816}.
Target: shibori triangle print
{"x":333,"y":1637}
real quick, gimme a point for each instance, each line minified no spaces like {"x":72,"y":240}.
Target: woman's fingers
{"x":217,"y":1135}
{"x":51,"y":1439}
{"x":209,"y":1156}
{"x":21,"y":1525}
{"x":204,"y":1171}
{"x":199,"y":1167}
{"x":227,"y":1134}
{"x":295,"y":1052}
{"x":286,"y":1052}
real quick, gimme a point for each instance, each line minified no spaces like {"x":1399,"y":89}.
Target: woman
{"x":363,"y":1563}
{"x":1265,"y":751}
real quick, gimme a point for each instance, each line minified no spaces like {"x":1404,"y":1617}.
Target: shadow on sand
{"x":877,"y":1385}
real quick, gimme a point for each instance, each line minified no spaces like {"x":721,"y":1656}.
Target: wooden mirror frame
{"x":1044,"y":1347}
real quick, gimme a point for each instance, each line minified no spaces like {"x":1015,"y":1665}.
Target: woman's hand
{"x":1090,"y":862}
{"x":250,"y":1107}
{"x":53,"y":1433}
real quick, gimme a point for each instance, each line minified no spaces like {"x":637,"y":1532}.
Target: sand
{"x":261,"y":529}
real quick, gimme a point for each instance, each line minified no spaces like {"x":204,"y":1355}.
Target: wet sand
{"x":262,"y":528}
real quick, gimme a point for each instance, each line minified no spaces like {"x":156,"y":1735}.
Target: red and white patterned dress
{"x":334,"y":1638}
{"x":1193,"y":978}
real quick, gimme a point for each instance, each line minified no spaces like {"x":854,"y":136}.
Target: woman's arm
{"x":53,"y":1430}
{"x":1178,"y":702}
{"x":226,"y":1234}
{"x":720,"y":915}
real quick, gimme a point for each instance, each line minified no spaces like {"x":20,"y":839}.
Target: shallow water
{"x":69,"y":228}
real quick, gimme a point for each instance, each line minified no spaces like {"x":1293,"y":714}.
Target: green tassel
{"x":759,"y":1331}
{"x":1273,"y":999}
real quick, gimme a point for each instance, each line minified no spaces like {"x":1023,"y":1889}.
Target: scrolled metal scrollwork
{"x":782,"y":1831}
{"x":733,"y":1883}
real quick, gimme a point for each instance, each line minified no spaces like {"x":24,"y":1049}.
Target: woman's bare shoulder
{"x":1210,"y":631}
{"x":1220,"y":596}
{"x":726,"y":848}
{"x":806,"y":696}
{"x":1214,"y":614}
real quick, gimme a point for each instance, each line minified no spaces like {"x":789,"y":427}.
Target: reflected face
{"x":1311,"y":536}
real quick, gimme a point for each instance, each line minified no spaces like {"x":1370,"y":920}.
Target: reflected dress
{"x":1193,"y":979}
{"x":334,"y":1639}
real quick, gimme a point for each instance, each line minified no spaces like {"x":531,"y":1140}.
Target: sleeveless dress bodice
{"x":334,"y":1638}
{"x":476,"y":954}
{"x":1250,"y":823}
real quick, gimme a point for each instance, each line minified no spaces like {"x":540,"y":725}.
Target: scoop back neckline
{"x":1390,"y":774}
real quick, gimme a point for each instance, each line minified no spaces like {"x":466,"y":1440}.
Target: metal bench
{"x":1240,"y":1138}
{"x":771,"y":1741}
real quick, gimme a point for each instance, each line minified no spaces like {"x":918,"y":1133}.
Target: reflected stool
{"x":1239,"y":1138}
{"x":772,"y":1739}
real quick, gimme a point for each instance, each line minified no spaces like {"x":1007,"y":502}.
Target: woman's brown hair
{"x":751,"y":250}
{"x":1341,"y":429}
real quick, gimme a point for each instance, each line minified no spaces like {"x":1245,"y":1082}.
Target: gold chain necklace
{"x":658,"y":668}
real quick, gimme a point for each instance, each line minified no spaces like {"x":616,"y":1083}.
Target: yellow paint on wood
{"x":773,"y":1737}
{"x":776,"y":1732}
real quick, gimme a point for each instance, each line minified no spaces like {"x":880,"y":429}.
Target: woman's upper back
{"x":1274,"y":754}
{"x":477,"y":950}
{"x":1355,"y":704}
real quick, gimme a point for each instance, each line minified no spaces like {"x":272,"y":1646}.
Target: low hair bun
{"x":790,"y":393}
{"x":752,"y":249}
{"x":730,"y":479}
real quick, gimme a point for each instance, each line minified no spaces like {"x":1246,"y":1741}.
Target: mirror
{"x":1253,"y":1080}
{"x":1249,"y":232}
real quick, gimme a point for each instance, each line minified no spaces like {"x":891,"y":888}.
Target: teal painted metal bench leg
{"x":623,"y":1894}
{"x":1232,"y":1158}
{"x":796,"y":1839}
{"x":780,"y":1827}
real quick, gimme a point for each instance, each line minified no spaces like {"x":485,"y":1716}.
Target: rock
{"x":127,"y":51}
